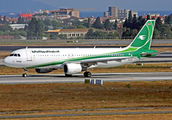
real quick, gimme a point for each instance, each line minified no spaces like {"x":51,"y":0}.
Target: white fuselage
{"x":28,"y":57}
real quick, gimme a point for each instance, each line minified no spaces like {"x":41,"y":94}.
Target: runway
{"x":78,"y":78}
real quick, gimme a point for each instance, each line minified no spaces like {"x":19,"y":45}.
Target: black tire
{"x":87,"y":74}
{"x":24,"y":75}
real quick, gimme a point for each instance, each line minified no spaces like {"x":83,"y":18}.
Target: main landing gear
{"x":25,"y":73}
{"x":87,"y":74}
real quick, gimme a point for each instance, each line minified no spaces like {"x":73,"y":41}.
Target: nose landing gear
{"x":25,"y":73}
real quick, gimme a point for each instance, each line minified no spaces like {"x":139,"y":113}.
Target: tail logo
{"x":142,"y":37}
{"x":149,"y":23}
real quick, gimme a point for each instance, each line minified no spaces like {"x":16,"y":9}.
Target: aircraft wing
{"x":104,"y":60}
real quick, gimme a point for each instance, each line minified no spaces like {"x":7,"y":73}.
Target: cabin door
{"x":29,"y":55}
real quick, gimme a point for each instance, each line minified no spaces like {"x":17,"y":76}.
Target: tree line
{"x":106,"y":30}
{"x":36,"y":27}
{"x":132,"y":25}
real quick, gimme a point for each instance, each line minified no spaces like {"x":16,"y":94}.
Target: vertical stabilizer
{"x":144,"y":37}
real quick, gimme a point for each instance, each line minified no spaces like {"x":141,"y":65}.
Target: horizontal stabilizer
{"x":148,"y":54}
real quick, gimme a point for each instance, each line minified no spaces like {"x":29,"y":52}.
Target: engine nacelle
{"x":44,"y":70}
{"x":72,"y":68}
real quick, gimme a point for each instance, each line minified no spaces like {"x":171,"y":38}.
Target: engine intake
{"x":72,"y":68}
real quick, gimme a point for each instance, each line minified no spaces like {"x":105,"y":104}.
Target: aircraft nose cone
{"x":6,"y":61}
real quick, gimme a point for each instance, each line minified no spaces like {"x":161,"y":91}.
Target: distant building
{"x":103,"y":19}
{"x":151,"y":15}
{"x":113,"y":12}
{"x":155,"y":16}
{"x":18,"y":26}
{"x":70,"y":33}
{"x":10,"y":20}
{"x":64,"y":12}
{"x":123,"y":13}
{"x":74,"y":13}
{"x":61,"y":17}
{"x":25,"y":15}
{"x":38,"y":12}
{"x":116,"y":13}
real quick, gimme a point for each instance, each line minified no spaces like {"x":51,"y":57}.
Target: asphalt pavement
{"x":79,"y":78}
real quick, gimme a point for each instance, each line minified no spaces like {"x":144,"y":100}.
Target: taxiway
{"x":106,"y":77}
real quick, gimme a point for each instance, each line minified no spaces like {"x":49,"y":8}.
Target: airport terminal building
{"x":70,"y":33}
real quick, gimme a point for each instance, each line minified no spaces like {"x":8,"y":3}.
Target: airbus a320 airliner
{"x":76,"y":60}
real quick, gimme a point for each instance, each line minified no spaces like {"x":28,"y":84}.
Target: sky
{"x":102,"y":5}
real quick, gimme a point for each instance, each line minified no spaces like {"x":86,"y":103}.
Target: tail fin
{"x":144,"y":37}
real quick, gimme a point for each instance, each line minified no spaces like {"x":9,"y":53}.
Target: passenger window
{"x":18,"y":55}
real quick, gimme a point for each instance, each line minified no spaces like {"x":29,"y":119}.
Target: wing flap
{"x":104,"y":60}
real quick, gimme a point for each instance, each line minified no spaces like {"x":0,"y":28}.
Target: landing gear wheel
{"x":24,"y":75}
{"x":87,"y":74}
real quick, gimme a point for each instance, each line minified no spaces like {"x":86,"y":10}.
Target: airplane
{"x":76,"y":60}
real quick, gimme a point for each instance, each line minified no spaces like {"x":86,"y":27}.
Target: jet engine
{"x":72,"y":68}
{"x":44,"y":70}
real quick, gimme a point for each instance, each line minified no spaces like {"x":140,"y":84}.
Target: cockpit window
{"x":16,"y":55}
